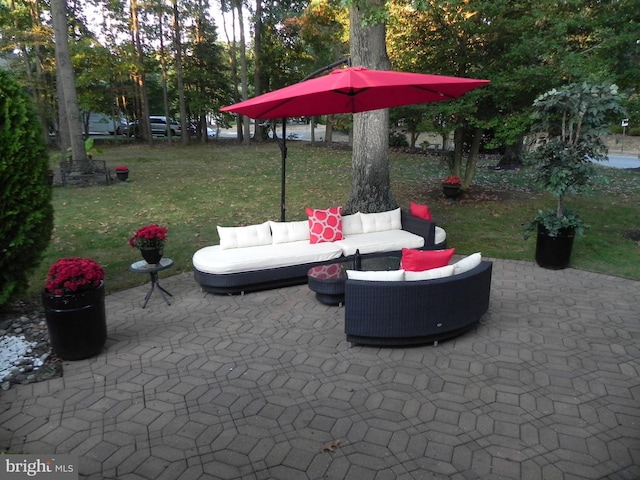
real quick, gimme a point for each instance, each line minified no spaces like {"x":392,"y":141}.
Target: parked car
{"x":159,"y":127}
{"x":103,"y":124}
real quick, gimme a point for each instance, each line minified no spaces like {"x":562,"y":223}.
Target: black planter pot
{"x":152,"y":255}
{"x":77,"y":323}
{"x":554,"y":251}
{"x":451,"y":191}
{"x":122,"y":175}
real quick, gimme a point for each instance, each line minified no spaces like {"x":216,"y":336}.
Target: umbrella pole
{"x":283,"y":149}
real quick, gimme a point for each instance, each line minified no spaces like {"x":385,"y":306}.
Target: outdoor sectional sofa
{"x":277,"y":254}
{"x":395,"y":313}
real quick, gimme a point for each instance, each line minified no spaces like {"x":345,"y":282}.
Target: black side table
{"x":152,"y":270}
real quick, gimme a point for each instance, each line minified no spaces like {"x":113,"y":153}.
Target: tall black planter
{"x":77,"y":323}
{"x":554,"y":251}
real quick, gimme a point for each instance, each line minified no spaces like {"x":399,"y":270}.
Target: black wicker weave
{"x":417,"y":312}
{"x":236,"y":283}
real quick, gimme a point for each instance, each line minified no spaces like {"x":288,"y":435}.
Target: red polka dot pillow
{"x":325,"y":225}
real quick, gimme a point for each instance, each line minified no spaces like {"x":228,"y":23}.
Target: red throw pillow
{"x":325,"y":225}
{"x":420,"y":211}
{"x":421,"y":260}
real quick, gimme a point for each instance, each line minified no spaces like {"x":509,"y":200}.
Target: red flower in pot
{"x":73,"y":275}
{"x":150,"y":240}
{"x":73,"y":301}
{"x":452,"y":180}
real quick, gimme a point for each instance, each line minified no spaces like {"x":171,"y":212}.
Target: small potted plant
{"x":451,"y":186}
{"x":150,"y":240}
{"x":73,"y":300}
{"x":122,"y":172}
{"x":572,"y":121}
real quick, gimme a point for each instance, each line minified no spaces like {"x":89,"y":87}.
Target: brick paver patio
{"x":264,"y":386}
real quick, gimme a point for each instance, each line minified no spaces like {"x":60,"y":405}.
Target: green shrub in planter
{"x":572,"y":119}
{"x":26,"y":213}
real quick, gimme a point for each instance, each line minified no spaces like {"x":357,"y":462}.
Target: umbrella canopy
{"x":350,"y":90}
{"x":353,"y":90}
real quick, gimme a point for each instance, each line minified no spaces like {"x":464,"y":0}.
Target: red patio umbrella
{"x":351,"y":90}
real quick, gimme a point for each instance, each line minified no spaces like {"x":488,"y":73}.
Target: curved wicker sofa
{"x":416,"y":312}
{"x":296,"y":273}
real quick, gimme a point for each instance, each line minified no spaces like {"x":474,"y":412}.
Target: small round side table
{"x":153,"y":269}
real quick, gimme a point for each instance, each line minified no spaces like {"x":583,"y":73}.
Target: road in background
{"x":622,"y":161}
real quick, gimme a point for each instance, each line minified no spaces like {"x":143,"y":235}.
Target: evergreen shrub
{"x":397,"y":139}
{"x":26,"y":213}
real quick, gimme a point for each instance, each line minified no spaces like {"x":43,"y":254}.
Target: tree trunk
{"x":139,"y":75}
{"x":67,"y":78}
{"x":184,"y":120}
{"x":370,"y":183}
{"x":163,"y":69}
{"x":458,"y":140}
{"x":312,"y":126}
{"x":472,"y":158}
{"x":512,"y":157}
{"x":259,"y":134}
{"x":328,"y":129}
{"x":234,"y":65}
{"x":414,"y":138}
{"x":63,"y":137}
{"x":246,"y":139}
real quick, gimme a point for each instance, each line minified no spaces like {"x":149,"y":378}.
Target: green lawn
{"x":192,"y":189}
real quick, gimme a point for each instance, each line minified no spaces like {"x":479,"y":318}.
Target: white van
{"x":101,"y":124}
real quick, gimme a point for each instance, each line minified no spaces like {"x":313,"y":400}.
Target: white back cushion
{"x":285,"y":232}
{"x":249,"y":236}
{"x":467,"y":263}
{"x":379,"y":222}
{"x":376,"y":276}
{"x":430,"y":274}
{"x":352,"y":224}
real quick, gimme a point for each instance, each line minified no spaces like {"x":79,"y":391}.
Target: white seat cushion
{"x":441,"y":235}
{"x":351,"y":224}
{"x":386,"y":241}
{"x":284,"y":232}
{"x":249,"y":236}
{"x":379,"y":222}
{"x":431,"y":274}
{"x":376,"y":275}
{"x":221,"y":261}
{"x":467,"y":263}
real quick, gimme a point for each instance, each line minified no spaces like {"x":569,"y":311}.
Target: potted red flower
{"x":150,"y":240}
{"x":451,"y":186}
{"x":73,"y":300}
{"x":122,"y":172}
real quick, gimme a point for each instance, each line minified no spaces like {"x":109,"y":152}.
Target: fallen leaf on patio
{"x":330,"y":446}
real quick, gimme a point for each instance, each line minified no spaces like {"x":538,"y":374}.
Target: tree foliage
{"x":524,"y":48}
{"x":26,"y":214}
